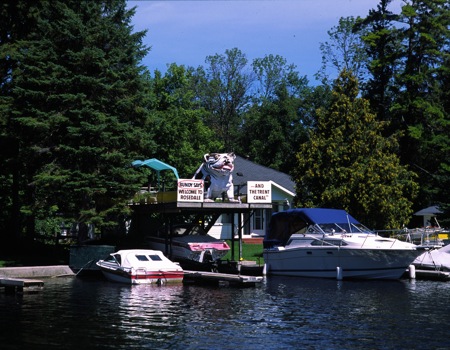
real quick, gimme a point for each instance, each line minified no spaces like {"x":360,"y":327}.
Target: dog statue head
{"x":219,"y":164}
{"x":216,"y":169}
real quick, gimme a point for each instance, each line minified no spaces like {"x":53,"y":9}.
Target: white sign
{"x":190,"y":190}
{"x":259,"y":192}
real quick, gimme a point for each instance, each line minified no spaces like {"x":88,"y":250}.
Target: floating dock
{"x":36,"y":271}
{"x":221,"y":278}
{"x":433,"y":275}
{"x":15,"y":285}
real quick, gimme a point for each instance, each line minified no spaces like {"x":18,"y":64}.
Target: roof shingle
{"x":246,"y":170}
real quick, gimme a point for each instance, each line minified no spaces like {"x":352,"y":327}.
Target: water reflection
{"x":282,"y":313}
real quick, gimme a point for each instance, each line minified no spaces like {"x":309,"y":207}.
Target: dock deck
{"x":16,"y":285}
{"x":221,"y":278}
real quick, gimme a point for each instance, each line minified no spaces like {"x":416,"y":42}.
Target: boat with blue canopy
{"x":330,"y":243}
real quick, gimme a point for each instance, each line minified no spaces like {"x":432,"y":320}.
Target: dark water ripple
{"x":283,"y":313}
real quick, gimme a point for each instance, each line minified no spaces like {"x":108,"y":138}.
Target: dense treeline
{"x":77,"y":107}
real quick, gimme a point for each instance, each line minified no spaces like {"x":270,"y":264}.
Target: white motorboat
{"x":330,"y":243}
{"x":140,"y":266}
{"x":434,"y":260}
{"x":189,"y":245}
{"x":437,"y":255}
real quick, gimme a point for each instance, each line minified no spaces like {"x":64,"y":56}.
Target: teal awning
{"x":155,"y":164}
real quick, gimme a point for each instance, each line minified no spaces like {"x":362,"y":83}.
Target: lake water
{"x":281,"y":313}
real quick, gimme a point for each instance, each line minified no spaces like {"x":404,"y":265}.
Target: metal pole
{"x":232,"y":237}
{"x":240,"y":235}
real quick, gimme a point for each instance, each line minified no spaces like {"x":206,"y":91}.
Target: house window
{"x":258,"y":219}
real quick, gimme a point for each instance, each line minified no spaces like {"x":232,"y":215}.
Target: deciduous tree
{"x":348,"y":164}
{"x":224,"y":92}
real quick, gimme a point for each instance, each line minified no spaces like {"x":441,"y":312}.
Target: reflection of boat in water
{"x":189,"y":244}
{"x":140,"y":266}
{"x":330,"y":243}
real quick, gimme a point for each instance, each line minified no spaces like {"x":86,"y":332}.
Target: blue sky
{"x":186,"y":32}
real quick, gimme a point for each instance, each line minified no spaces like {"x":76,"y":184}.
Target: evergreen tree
{"x":420,"y":103}
{"x":384,"y":53}
{"x":77,"y":92}
{"x":348,"y":164}
{"x":13,"y":27}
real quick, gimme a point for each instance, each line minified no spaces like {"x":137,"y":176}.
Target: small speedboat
{"x":189,"y":244}
{"x":330,"y":243}
{"x":140,"y":266}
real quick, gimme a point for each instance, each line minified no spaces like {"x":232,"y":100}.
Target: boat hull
{"x":180,"y":249}
{"x":338,"y":262}
{"x":142,"y":277}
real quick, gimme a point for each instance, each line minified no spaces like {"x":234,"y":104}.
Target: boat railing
{"x":364,"y":242}
{"x":424,"y":237}
{"x":140,"y":271}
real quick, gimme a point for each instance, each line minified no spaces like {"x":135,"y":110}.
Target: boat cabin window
{"x":335,"y":242}
{"x":142,"y":257}
{"x":155,"y":257}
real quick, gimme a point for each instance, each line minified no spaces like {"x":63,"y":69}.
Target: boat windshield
{"x":114,"y":259}
{"x":361,"y":228}
{"x":343,"y":228}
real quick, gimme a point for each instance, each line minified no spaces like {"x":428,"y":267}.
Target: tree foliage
{"x":275,"y":122}
{"x":383,"y":49}
{"x":347,"y":163}
{"x":77,"y":94}
{"x":408,"y":55}
{"x":181,"y":135}
{"x":77,"y":107}
{"x":224,"y":92}
{"x":344,"y":51}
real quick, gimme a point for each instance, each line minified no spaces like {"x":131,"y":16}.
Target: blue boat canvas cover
{"x":285,"y":223}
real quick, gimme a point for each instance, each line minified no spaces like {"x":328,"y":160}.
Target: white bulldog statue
{"x":217,"y":167}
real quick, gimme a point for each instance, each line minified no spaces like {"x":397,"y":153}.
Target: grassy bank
{"x":250,"y":252}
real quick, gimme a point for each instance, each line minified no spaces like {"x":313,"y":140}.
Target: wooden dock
{"x":221,"y":278}
{"x":16,"y":285}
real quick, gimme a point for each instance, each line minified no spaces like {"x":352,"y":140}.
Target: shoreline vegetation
{"x":45,"y":254}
